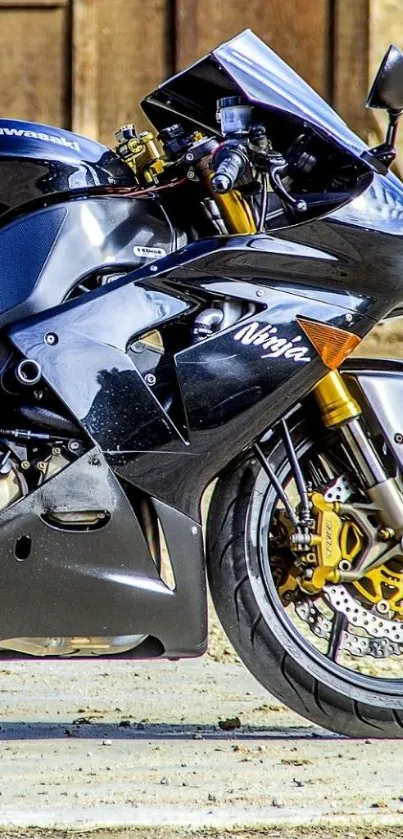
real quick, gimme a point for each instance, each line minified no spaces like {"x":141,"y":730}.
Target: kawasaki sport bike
{"x":177,"y":316}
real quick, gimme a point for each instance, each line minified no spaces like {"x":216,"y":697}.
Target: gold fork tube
{"x":335,"y":402}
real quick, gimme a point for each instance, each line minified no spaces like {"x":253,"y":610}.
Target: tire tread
{"x":253,"y":638}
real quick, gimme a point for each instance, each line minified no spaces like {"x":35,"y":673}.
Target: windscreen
{"x":245,"y":65}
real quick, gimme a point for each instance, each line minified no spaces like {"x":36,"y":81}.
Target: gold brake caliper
{"x":319,"y":552}
{"x":332,"y":541}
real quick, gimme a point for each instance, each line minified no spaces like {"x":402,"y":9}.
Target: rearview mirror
{"x":387,"y":92}
{"x":387,"y":89}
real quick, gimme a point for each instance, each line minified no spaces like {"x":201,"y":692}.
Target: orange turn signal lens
{"x":332,"y":344}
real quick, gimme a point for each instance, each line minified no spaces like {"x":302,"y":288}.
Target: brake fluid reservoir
{"x":233,"y":115}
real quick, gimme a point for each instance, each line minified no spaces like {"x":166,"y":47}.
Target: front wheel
{"x":332,"y":657}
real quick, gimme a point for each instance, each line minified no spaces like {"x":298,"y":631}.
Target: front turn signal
{"x":332,"y":344}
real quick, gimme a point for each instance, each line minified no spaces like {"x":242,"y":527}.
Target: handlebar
{"x":229,"y":164}
{"x":230,"y":161}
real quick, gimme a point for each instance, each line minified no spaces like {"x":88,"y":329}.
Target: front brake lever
{"x":277,"y":169}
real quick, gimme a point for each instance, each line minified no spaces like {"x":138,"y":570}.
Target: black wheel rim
{"x":257,"y":539}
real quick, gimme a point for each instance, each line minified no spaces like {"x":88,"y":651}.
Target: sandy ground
{"x":312,"y":832}
{"x":87,"y":745}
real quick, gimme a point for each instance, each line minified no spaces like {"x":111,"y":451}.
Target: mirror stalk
{"x":385,"y":153}
{"x":391,"y":133}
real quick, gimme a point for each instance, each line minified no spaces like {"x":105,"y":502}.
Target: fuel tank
{"x":40,"y":160}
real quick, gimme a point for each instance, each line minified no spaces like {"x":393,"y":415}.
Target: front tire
{"x":265,"y":639}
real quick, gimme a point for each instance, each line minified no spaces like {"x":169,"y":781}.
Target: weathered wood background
{"x":84,"y":64}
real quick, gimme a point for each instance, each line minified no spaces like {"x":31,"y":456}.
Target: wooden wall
{"x":86,"y":63}
{"x":35,"y":63}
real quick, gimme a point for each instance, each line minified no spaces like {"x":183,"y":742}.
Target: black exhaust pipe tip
{"x":28,"y":372}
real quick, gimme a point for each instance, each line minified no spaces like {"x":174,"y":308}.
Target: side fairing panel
{"x":25,"y":247}
{"x":43,"y":255}
{"x":225,"y":377}
{"x":231,"y":389}
{"x":105,"y":581}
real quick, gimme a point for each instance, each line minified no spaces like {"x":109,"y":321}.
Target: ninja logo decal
{"x":267,"y":338}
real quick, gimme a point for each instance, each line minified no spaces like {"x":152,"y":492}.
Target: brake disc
{"x":342,"y":601}
{"x":384,"y":636}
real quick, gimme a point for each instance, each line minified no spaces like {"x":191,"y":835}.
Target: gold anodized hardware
{"x":234,"y":209}
{"x":335,"y":402}
{"x":333,"y":541}
{"x":382,"y":584}
{"x":143,"y":156}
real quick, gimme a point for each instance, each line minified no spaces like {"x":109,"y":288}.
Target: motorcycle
{"x":177,"y":315}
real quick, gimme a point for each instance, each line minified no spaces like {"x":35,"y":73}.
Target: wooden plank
{"x":297,"y":29}
{"x":134,"y":56}
{"x":34,"y":79}
{"x":85,"y":68}
{"x":351,"y":60}
{"x":386,"y":27}
{"x":36,"y":4}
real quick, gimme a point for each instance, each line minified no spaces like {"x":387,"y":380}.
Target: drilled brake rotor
{"x":384,"y":638}
{"x":373,"y":604}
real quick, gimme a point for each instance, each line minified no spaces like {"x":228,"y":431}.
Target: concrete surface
{"x":116,"y":744}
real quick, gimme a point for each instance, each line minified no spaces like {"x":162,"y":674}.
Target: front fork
{"x":339,"y":409}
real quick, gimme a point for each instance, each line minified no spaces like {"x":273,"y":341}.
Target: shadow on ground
{"x":126,"y":730}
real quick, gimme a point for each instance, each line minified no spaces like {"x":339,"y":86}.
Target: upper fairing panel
{"x":246,"y":65}
{"x":40,"y":160}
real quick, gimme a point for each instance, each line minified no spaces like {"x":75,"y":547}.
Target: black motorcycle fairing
{"x":119,"y":409}
{"x":225,"y":385}
{"x":63,"y":244}
{"x":38,"y":161}
{"x":282,"y":261}
{"x":101,"y":581}
{"x":230,"y":393}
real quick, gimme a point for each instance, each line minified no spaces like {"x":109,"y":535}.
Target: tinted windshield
{"x":246,"y":64}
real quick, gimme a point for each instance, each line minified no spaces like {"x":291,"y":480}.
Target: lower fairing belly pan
{"x":102,"y":582}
